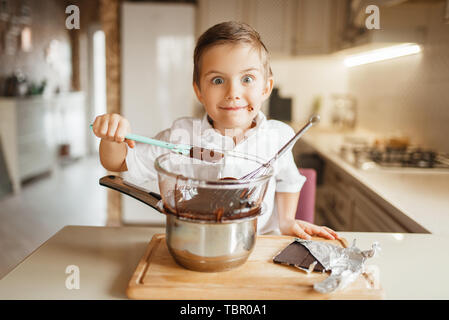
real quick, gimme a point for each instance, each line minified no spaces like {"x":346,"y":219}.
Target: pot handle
{"x":150,"y":198}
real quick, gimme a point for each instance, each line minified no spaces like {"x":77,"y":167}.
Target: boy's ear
{"x":268,"y":88}
{"x":197,"y":92}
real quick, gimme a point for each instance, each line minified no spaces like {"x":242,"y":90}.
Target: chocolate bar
{"x":295,"y":254}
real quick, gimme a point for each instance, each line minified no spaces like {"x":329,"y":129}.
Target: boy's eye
{"x":247,"y":79}
{"x":217,"y":80}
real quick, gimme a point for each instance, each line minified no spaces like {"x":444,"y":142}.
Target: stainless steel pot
{"x":208,"y":226}
{"x":209,"y":246}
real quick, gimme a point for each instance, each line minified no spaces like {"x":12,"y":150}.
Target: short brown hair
{"x":229,"y":32}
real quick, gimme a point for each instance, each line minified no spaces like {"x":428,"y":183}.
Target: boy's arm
{"x":112,"y":129}
{"x":113,"y":155}
{"x":286,"y":204}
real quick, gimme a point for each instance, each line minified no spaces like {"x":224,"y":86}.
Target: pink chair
{"x":306,"y":202}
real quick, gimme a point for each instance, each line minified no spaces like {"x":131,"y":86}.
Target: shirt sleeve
{"x":288,"y":178}
{"x":140,"y":161}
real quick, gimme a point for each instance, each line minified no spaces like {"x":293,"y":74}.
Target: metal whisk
{"x":245,"y":195}
{"x":263,"y":169}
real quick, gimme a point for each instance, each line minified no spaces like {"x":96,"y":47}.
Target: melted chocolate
{"x":213,"y":205}
{"x":205,"y":154}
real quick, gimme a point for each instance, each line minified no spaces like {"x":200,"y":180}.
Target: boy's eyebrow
{"x":243,"y":71}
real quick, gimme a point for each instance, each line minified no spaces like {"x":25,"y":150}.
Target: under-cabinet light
{"x":382,"y":54}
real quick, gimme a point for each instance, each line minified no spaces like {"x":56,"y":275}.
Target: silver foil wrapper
{"x":345,"y":264}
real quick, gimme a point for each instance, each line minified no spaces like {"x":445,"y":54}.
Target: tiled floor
{"x":71,"y":195}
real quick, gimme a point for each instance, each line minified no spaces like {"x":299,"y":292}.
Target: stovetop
{"x":366,"y":157}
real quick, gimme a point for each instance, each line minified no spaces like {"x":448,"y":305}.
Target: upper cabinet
{"x":399,"y":21}
{"x":211,"y":12}
{"x":312,"y":27}
{"x":319,"y":25}
{"x":274,"y":20}
{"x":287,"y":27}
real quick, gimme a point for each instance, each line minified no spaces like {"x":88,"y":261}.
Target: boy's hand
{"x":305,"y":230}
{"x":112,"y":127}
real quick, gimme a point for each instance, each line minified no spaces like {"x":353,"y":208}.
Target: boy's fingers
{"x":95,"y":125}
{"x":112,"y":129}
{"x":320,"y":231}
{"x":103,"y":127}
{"x":98,"y":125}
{"x":121,"y":132}
{"x":130,"y":143}
{"x":327,"y":234}
{"x":300,"y":232}
{"x":324,"y":233}
{"x":332,"y":232}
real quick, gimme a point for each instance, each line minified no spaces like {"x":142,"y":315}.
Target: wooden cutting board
{"x":158,"y":276}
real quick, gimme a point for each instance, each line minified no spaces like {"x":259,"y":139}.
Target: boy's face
{"x":232,"y":85}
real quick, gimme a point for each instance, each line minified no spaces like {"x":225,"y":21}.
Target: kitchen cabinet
{"x":274,"y":20}
{"x":33,"y":127}
{"x":8,"y":144}
{"x":211,"y":12}
{"x":399,"y":22}
{"x":336,"y":207}
{"x":72,"y":127}
{"x":334,"y":204}
{"x":318,"y":26}
{"x":343,"y":206}
{"x":287,"y":27}
{"x":34,"y":137}
{"x":370,"y":217}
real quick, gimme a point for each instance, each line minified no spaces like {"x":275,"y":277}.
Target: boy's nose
{"x":234,"y":92}
{"x":232,"y":97}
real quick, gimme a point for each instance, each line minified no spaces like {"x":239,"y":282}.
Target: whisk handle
{"x":312,"y":121}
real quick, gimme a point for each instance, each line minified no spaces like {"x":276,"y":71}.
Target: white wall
{"x":304,"y":78}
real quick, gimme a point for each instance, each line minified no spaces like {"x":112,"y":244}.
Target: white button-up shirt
{"x":262,"y":141}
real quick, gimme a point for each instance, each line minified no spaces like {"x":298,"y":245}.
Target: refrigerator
{"x":157,"y":43}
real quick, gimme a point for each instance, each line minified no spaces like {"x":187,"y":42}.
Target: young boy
{"x":232,"y":78}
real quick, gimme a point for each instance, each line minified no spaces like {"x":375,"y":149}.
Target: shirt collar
{"x":260,"y":120}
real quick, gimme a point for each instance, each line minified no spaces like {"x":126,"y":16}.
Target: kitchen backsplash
{"x":409,"y":95}
{"x":304,"y":79}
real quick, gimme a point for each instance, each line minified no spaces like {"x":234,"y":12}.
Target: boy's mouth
{"x":233,"y":108}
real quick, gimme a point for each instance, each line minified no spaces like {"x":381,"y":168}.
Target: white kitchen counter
{"x":420,"y":194}
{"x":108,"y":256}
